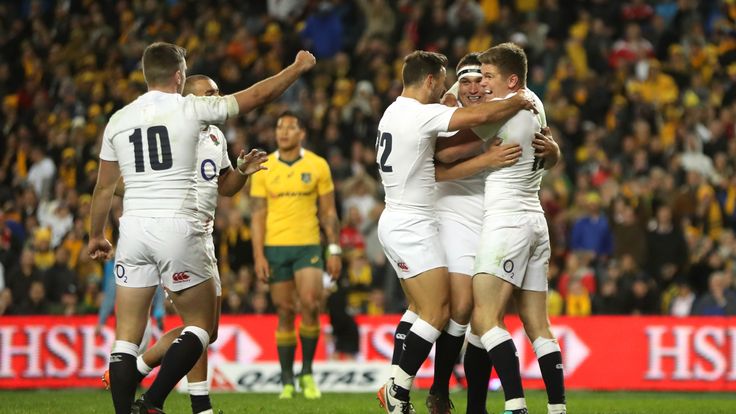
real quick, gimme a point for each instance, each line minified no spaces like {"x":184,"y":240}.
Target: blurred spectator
{"x":577,"y":302}
{"x":576,"y":270}
{"x":608,"y":300}
{"x":667,"y":253}
{"x":35,"y":303}
{"x":591,"y":233}
{"x":641,"y":298}
{"x":43,"y":255}
{"x":720,"y":299}
{"x":360,"y":280}
{"x":41,"y":173}
{"x":682,"y":303}
{"x":21,"y":278}
{"x":59,"y":278}
{"x":629,"y":236}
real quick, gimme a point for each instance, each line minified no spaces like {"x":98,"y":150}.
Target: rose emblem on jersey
{"x":214,"y":139}
{"x":306,"y":178}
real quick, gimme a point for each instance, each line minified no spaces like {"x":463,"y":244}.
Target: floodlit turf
{"x":95,"y":401}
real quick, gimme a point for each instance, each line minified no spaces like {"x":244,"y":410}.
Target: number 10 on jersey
{"x":155,"y":134}
{"x":383,"y":150}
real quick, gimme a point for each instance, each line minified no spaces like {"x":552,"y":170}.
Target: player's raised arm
{"x":271,"y":88}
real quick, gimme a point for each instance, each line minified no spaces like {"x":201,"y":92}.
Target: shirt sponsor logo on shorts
{"x":508,"y":267}
{"x":180,"y":277}
{"x":120,"y":272}
{"x":314,"y":259}
{"x":403,"y":266}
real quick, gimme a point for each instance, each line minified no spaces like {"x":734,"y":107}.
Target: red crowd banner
{"x":601,"y":353}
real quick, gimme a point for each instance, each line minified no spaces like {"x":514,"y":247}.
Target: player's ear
{"x":513,"y":81}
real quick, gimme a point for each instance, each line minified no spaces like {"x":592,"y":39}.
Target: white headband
{"x":470,"y":70}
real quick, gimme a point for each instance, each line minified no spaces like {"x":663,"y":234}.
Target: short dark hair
{"x":160,"y":61}
{"x":471,"y":59}
{"x":191,"y":81}
{"x":291,"y":114}
{"x":420,"y":64}
{"x":509,"y":58}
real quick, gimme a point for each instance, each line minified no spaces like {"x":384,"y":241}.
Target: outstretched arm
{"x":271,"y":88}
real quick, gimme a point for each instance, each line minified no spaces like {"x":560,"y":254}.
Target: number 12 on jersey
{"x":383,"y":150}
{"x":155,"y":134}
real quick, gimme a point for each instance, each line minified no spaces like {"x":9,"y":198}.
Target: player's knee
{"x":437,"y":317}
{"x":461,"y":310}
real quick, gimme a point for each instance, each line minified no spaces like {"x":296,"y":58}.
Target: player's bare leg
{"x":283,"y":295}
{"x":491,"y":295}
{"x":533,"y":313}
{"x":450,"y":343}
{"x":429,"y":291}
{"x":132,"y":306}
{"x":310,"y":290}
{"x":196,"y":306}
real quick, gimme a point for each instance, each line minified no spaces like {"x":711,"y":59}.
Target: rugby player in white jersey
{"x":408,"y":227}
{"x":514,"y":252}
{"x":460,"y":208}
{"x":152,"y":142}
{"x":215,"y":176}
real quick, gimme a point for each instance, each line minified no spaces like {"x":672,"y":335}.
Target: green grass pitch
{"x":98,"y":401}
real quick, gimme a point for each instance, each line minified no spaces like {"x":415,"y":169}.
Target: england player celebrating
{"x":215,"y":176}
{"x":514,"y":249}
{"x":153,"y":142}
{"x":408,"y":228}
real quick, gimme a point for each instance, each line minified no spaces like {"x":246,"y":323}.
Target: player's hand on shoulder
{"x":99,"y":248}
{"x":304,"y":60}
{"x":526,"y":100}
{"x":252,"y":162}
{"x":500,"y":156}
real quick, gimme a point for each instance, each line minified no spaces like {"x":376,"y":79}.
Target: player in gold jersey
{"x":289,"y":203}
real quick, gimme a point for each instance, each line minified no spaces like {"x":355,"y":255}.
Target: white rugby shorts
{"x":411,"y":243}
{"x":171,"y":251}
{"x":515,"y":248}
{"x":460,"y":242}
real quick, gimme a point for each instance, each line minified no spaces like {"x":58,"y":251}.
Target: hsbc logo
{"x":180,"y":277}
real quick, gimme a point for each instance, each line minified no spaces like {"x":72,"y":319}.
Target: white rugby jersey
{"x":212,"y":158}
{"x":154,"y":139}
{"x":462,"y":199}
{"x":405,"y":144}
{"x":515,"y":189}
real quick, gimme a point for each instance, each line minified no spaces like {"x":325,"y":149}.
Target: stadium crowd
{"x":641,"y":97}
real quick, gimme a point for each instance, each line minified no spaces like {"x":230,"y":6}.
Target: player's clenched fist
{"x":99,"y":248}
{"x":305,"y":60}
